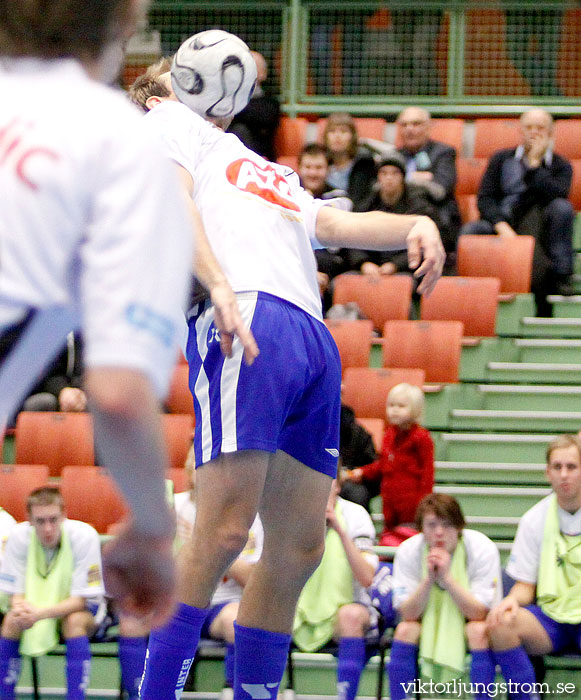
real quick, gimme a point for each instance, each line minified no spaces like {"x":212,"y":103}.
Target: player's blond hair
{"x":562,"y":442}
{"x":149,"y":85}
{"x":44,"y":496}
{"x":413,"y":395}
{"x":62,"y":28}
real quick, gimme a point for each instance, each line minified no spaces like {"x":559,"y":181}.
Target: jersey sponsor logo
{"x":185,"y":669}
{"x":19,"y":155}
{"x":265,"y":182}
{"x":332,"y":451}
{"x":94,"y":575}
{"x":259,"y":691}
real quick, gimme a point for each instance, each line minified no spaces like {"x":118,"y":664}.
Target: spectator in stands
{"x":398,"y":197}
{"x":219,"y":624}
{"x":445,"y":580}
{"x":352,"y":168}
{"x":524,"y":191}
{"x":542,"y":612}
{"x":256,"y":124}
{"x":356,"y":449}
{"x":52,"y":570}
{"x":432,"y":166}
{"x":406,"y":463}
{"x":335,"y":604}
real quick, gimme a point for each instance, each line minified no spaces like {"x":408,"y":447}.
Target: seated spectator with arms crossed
{"x":542,"y":612}
{"x":335,"y":604}
{"x":52,"y":569}
{"x":445,"y":580}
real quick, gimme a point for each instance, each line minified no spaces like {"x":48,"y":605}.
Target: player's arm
{"x":240,"y":571}
{"x":62,"y":608}
{"x":209,"y":273}
{"x":377,"y":230}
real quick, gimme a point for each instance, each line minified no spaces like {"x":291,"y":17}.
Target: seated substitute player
{"x":445,"y":580}
{"x":93,"y":234}
{"x":219,"y":624}
{"x":542,"y":612}
{"x":335,"y":603}
{"x":267,"y":434}
{"x":52,"y":570}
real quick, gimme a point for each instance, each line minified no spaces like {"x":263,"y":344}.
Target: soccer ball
{"x":214,"y":74}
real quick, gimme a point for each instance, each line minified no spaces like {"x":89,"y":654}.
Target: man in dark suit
{"x":524,"y":191}
{"x":432,"y":166}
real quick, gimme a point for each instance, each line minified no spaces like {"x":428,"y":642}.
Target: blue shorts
{"x":289,"y":399}
{"x":564,"y":637}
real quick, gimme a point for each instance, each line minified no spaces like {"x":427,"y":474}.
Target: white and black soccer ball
{"x":214,"y":74}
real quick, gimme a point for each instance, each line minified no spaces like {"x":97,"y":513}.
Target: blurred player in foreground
{"x":93,"y":234}
{"x":267,"y":435}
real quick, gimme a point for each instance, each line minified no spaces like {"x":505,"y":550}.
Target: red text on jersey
{"x":263,"y":181}
{"x":19,"y":155}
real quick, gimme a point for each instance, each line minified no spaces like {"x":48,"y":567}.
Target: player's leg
{"x":292,"y":511}
{"x":10,"y":660}
{"x":483,"y":664}
{"x":133,"y":636}
{"x":403,"y":664}
{"x":228,"y":491}
{"x":530,"y":633}
{"x":77,"y":628}
{"x":353,"y":621}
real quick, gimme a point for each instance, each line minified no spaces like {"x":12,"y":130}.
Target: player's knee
{"x":77,"y":624}
{"x":352,"y":620}
{"x":408,"y":631}
{"x":117,"y":392}
{"x":477,"y":635}
{"x":130,"y":626}
{"x":225,"y":623}
{"x":10,"y":628}
{"x":231,"y":540}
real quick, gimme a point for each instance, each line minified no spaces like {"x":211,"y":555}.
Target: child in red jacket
{"x":406,"y":464}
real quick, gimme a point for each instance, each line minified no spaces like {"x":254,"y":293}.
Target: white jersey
{"x":7,"y":522}
{"x":93,"y":229}
{"x":228,"y":589}
{"x":87,"y":581}
{"x":359,"y":528}
{"x":482,"y":563}
{"x":258,"y":219}
{"x":525,"y":555}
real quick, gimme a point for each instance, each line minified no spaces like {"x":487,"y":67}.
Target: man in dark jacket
{"x":395,"y":196}
{"x":524,"y":190}
{"x":431,"y":165}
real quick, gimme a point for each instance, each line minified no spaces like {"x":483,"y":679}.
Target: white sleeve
{"x":525,"y":555}
{"x":407,"y":569}
{"x":13,"y":568}
{"x":88,"y":571}
{"x":136,"y":262}
{"x":484,"y":572}
{"x":7,"y":522}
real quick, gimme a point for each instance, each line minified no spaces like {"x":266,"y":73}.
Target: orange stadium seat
{"x":575,"y":193}
{"x":179,"y":398}
{"x":353,"y":339}
{"x":290,"y":136}
{"x":290,"y":161}
{"x":468,"y":206}
{"x":491,"y":135}
{"x":509,"y":259}
{"x":433,"y":346}
{"x":178,"y":432}
{"x":365,"y":389}
{"x":375,"y":427}
{"x":16,"y":483}
{"x":469,"y":173}
{"x":472,"y":300}
{"x":380,"y":299}
{"x":91,"y":495}
{"x":55,"y":439}
{"x":367,"y":128}
{"x":448,"y":131}
{"x":567,"y":138}
{"x":180,"y":479}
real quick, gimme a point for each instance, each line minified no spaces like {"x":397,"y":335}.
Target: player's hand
{"x":536,"y":148}
{"x":505,"y":612}
{"x":440,"y":559}
{"x":426,"y":253}
{"x":331,"y":518}
{"x":229,"y":322}
{"x":355,"y":475}
{"x":370,"y":269}
{"x":139,"y":574}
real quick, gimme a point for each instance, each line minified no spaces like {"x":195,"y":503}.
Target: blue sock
{"x":260,"y":661}
{"x":10,"y":663}
{"x":517,"y":668}
{"x":350,"y":664}
{"x":78,"y":667}
{"x":170,"y":654}
{"x":403,"y":670}
{"x":483,"y":673}
{"x":132,"y":652}
{"x":229,"y":666}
